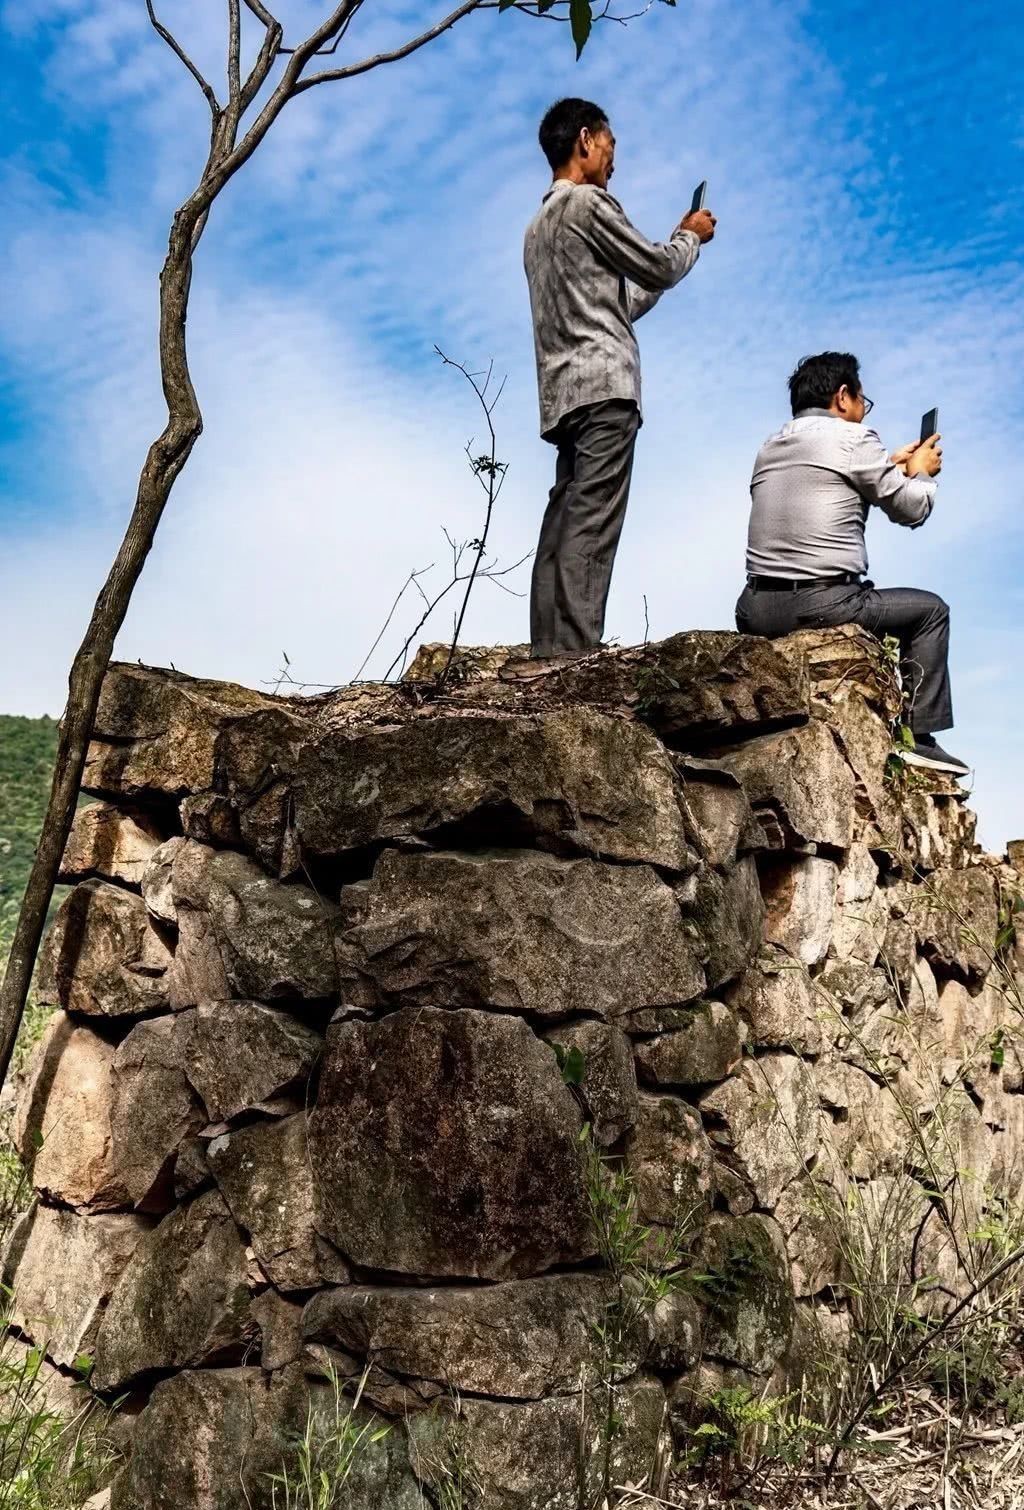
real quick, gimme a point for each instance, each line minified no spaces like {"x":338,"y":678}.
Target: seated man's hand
{"x":701,"y":222}
{"x":927,"y":459}
{"x":902,"y":456}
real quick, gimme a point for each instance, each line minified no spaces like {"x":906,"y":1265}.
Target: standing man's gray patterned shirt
{"x":591,"y":274}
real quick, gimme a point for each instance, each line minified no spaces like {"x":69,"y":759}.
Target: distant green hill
{"x":28,"y":747}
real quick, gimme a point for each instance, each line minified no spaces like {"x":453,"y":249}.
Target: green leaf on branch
{"x":572,"y":1067}
{"x":581,"y":19}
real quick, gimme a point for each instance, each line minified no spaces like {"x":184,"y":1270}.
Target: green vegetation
{"x":27,"y":750}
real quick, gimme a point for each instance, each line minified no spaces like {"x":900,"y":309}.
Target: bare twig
{"x":183,"y":57}
{"x":411,"y":580}
{"x":352,"y":69}
{"x":647,"y":622}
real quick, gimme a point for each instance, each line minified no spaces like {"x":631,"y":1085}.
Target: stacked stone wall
{"x":302,"y":1100}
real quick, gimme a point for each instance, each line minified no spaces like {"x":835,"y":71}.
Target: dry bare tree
{"x":256,"y":93}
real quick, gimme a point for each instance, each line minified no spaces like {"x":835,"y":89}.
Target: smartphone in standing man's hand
{"x":929,"y":424}
{"x":699,"y":196}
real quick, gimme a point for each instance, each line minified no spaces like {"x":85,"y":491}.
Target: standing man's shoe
{"x":932,"y":757}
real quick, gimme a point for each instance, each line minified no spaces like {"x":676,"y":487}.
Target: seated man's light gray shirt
{"x":591,"y":274}
{"x":812,"y":486}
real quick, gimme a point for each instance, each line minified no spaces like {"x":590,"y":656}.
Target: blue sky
{"x":865,"y":163}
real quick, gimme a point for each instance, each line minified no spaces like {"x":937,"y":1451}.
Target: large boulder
{"x":764,"y":1121}
{"x":573,"y":779}
{"x":702,"y":1047}
{"x":244,"y":1054}
{"x":62,"y":1124}
{"x":109,"y":843}
{"x":670,"y":1161}
{"x":182,"y":1300}
{"x":781,"y":1005}
{"x":523,"y":1339}
{"x":719,"y":822}
{"x":747,"y":1292}
{"x":607,"y":1082}
{"x":799,"y":786}
{"x":521,"y":931}
{"x":263,"y":1173}
{"x":157,"y":733}
{"x":244,"y":935}
{"x":60,"y":1268}
{"x":799,"y":899}
{"x":445,"y":1143}
{"x":545,"y":1455}
{"x":101,"y":956}
{"x":216,"y":1439}
{"x":153,"y":1111}
{"x":955,"y":917}
{"x":726,"y":914}
{"x":862,"y":913}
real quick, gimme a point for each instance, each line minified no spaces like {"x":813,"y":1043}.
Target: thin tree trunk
{"x":165,"y":459}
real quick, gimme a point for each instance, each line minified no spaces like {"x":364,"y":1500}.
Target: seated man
{"x":812,"y":486}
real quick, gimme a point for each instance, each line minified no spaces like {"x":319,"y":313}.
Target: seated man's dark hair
{"x":561,"y":126}
{"x":818,"y":379}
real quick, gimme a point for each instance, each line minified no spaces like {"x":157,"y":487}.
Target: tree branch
{"x":377,"y":59}
{"x":234,"y":51}
{"x":183,"y":57}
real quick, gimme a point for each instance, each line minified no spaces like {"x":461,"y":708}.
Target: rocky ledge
{"x":305,"y":1098}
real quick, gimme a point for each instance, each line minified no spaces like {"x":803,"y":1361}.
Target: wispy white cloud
{"x":386,"y":214}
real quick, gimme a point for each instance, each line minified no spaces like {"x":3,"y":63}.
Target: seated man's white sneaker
{"x":932,"y":757}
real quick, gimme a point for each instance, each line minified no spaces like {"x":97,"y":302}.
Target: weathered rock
{"x":866,"y":742}
{"x":243,"y":1054}
{"x":263,"y":1173}
{"x":676,"y":1325}
{"x":101,"y":957}
{"x":719,"y":822}
{"x":843,"y":664}
{"x":158,"y":732}
{"x":109,"y":843}
{"x":153,"y":1111}
{"x":765,"y":1118}
{"x":523,"y":1339}
{"x":182,"y":1299}
{"x":61,"y":1268}
{"x":812,"y":1218}
{"x":799,"y":906}
{"x":212,"y":1439}
{"x":938,"y":830}
{"x":62,"y":1124}
{"x":955,"y":917}
{"x":243,"y":935}
{"x":445,"y":1143}
{"x":870,"y":1027}
{"x":799,"y":786}
{"x":157,"y":882}
{"x":523,"y":931}
{"x":575,"y":779}
{"x":608,"y":1086}
{"x":670,"y":1160}
{"x":726,"y":913}
{"x":780,"y":1005}
{"x":862,"y":913}
{"x":747,"y":1291}
{"x":470,"y":663}
{"x":869,"y":1135}
{"x":527,"y":1457}
{"x":704,"y":1048}
{"x":280,"y":1324}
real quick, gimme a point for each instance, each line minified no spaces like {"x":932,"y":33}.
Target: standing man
{"x":591,"y":274}
{"x":813,"y":485}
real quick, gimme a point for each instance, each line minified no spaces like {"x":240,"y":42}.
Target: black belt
{"x":797,"y":584}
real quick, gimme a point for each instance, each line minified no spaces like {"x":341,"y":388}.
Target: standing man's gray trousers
{"x":919,"y":620}
{"x":572,"y":569}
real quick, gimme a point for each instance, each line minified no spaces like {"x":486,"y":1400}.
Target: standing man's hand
{"x":701,"y":222}
{"x":927,"y":458}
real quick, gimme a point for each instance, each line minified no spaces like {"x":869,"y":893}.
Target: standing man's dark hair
{"x":591,"y":274}
{"x":560,"y":129}
{"x":817,"y":378}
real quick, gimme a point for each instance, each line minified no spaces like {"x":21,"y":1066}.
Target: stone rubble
{"x":345,"y":981}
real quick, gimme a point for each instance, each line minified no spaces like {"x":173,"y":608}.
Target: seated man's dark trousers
{"x":583,"y":520}
{"x":919,"y":620}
